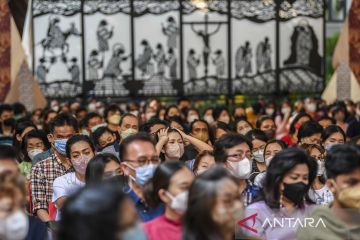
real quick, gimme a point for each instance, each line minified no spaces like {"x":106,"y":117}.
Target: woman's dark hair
{"x":308,"y":129}
{"x":218,"y":110}
{"x":95,"y":136}
{"x":96,"y":166}
{"x":330,"y":130}
{"x":161,"y":180}
{"x":262,"y":119}
{"x":19,"y":129}
{"x":282,"y":163}
{"x":282,"y":144}
{"x":92,"y":213}
{"x":44,"y":116}
{"x":39,"y":134}
{"x":228,"y":141}
{"x":354,"y":140}
{"x":308,"y":148}
{"x":256,"y":134}
{"x":241,"y":119}
{"x":198,"y":220}
{"x":179,"y":121}
{"x":78,"y":138}
{"x":295,"y":121}
{"x":222,"y":126}
{"x":325,"y":117}
{"x":112,"y":108}
{"x":199,"y":157}
{"x":168,"y":110}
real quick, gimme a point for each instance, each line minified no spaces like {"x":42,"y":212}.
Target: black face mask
{"x":270,"y":133}
{"x":295,"y":191}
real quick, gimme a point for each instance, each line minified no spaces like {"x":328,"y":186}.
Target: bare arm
{"x":163,"y":139}
{"x":198,"y":144}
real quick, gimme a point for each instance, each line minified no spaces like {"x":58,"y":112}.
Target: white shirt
{"x":65,"y":185}
{"x":322,"y":196}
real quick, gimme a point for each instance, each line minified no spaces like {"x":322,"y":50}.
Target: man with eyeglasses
{"x":233,"y":151}
{"x":138,"y":162}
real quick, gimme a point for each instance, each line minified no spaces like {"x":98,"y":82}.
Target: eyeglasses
{"x":111,"y":174}
{"x":142,"y":161}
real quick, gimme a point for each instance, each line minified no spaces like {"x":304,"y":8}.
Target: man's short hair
{"x":342,"y":159}
{"x":7,"y":153}
{"x":63,"y":119}
{"x":141,"y":137}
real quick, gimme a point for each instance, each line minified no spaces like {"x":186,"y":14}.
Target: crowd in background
{"x":147,"y":170}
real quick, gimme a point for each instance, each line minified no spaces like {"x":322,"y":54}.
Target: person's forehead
{"x":351,"y":175}
{"x":63,"y":129}
{"x":299,"y":169}
{"x":199,"y":124}
{"x":140,"y":148}
{"x":130,"y":119}
{"x":226,"y":187}
{"x":268,"y":122}
{"x":273,"y":146}
{"x":174,"y":135}
{"x":241,"y":146}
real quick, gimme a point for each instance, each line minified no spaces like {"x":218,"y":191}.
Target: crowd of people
{"x":151,"y":170}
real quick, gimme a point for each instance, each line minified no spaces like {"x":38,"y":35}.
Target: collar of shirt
{"x":56,"y":159}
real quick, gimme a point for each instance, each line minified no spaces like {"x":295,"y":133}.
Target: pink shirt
{"x":162,"y":228}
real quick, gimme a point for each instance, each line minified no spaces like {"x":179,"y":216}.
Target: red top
{"x":162,"y":228}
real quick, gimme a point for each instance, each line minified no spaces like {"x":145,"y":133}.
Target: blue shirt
{"x":146,"y":213}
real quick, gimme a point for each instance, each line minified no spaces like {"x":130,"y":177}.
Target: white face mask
{"x":150,"y":115}
{"x":311,"y":107}
{"x":286,"y":110}
{"x":321,"y":167}
{"x":242,"y":168}
{"x":15,"y":226}
{"x":92,"y":107}
{"x":259,"y":156}
{"x":269,"y":111}
{"x":268,"y":160}
{"x":225,"y":119}
{"x":192,"y":118}
{"x":174,"y":151}
{"x":244,"y":131}
{"x":32,"y":153}
{"x":179,"y":202}
{"x":201,"y":171}
{"x":135,"y":113}
{"x":209,"y":119}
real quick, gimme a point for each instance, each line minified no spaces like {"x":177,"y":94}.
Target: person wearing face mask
{"x":331,"y":136}
{"x":138,"y":162}
{"x":234,"y":152}
{"x":101,"y":167}
{"x":340,"y":116}
{"x":311,"y":108}
{"x":129,"y":125}
{"x":170,"y":145}
{"x":271,"y":148}
{"x":341,"y":218}
{"x":310,"y":133}
{"x":291,"y":138}
{"x":112,"y":114}
{"x":14,"y":222}
{"x":213,"y":204}
{"x":267,"y":125}
{"x":270,"y":109}
{"x":289,"y":176}
{"x":192,"y":115}
{"x":170,"y":185}
{"x":242,"y":126}
{"x":258,"y":140}
{"x":79,"y":149}
{"x":221,"y":114}
{"x":34,"y":143}
{"x":203,"y":162}
{"x":200,"y":129}
{"x":171,"y":111}
{"x":319,"y":193}
{"x":43,"y":173}
{"x":93,"y":121}
{"x":208,"y":116}
{"x":100,"y":211}
{"x":106,"y":141}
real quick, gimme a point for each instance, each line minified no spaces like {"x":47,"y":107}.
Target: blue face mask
{"x":60,"y":146}
{"x":143,"y":174}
